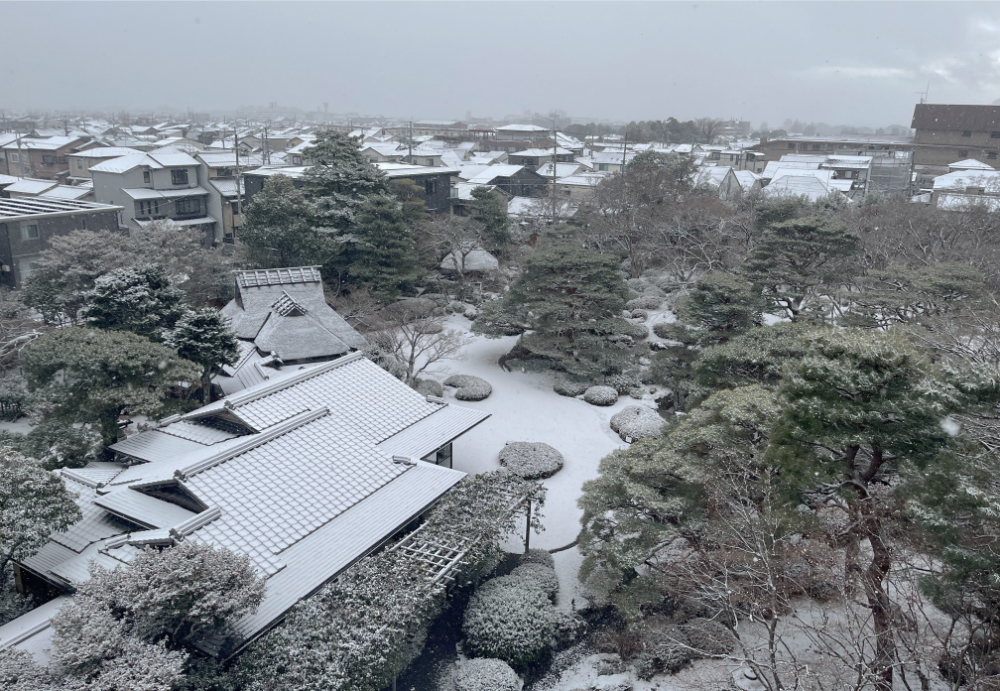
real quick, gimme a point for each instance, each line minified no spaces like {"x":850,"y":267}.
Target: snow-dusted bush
{"x":509,"y":620}
{"x":639,"y":314}
{"x":469,"y":388}
{"x":567,"y":627}
{"x":638,"y":332}
{"x":13,"y":396}
{"x":708,"y":636}
{"x":636,"y":422}
{"x":665,"y":330}
{"x":486,"y":674}
{"x":428,"y":387}
{"x":60,"y":444}
{"x":645,"y":302}
{"x":600,"y":395}
{"x":666,"y":650}
{"x":637,"y":392}
{"x":539,"y":576}
{"x":622,"y":382}
{"x":429,"y":327}
{"x":531,"y":460}
{"x":565,"y":387}
{"x":537,"y":556}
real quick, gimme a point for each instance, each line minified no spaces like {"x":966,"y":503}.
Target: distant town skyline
{"x":862,"y":64}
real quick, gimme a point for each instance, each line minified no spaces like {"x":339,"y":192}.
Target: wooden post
{"x":527,"y":530}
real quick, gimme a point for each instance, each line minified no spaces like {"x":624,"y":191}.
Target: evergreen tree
{"x":489,"y":210}
{"x":33,"y":505}
{"x":384,"y":256}
{"x":204,"y":338}
{"x":140,"y":299}
{"x":90,"y":375}
{"x":797,"y":260}
{"x":858,"y":411}
{"x":340,"y":180}
{"x":278,"y":230}
{"x":571,"y":299}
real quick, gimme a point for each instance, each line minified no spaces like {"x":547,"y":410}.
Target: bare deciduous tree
{"x":416,"y":339}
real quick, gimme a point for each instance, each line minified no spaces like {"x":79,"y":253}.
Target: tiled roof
{"x":274,"y":277}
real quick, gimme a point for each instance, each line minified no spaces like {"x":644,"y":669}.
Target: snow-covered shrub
{"x":537,"y":556}
{"x":708,"y":636}
{"x":639,"y":314}
{"x":12,"y":603}
{"x":636,"y":422}
{"x":531,"y":460}
{"x":565,"y":387}
{"x":638,"y":332}
{"x":509,"y":620}
{"x":600,"y":395}
{"x":13,"y":396}
{"x":637,"y":392}
{"x":382,"y":356}
{"x":664,"y":330}
{"x":646,"y":302}
{"x":471,"y":313}
{"x":469,"y":388}
{"x":428,"y":387}
{"x":539,"y":576}
{"x":59,"y":444}
{"x":486,"y":674}
{"x":666,"y":650}
{"x":429,"y":327}
{"x":567,"y":627}
{"x":622,"y":382}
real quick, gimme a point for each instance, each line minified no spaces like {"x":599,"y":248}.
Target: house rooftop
{"x":33,"y":207}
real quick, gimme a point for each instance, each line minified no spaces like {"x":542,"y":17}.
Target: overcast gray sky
{"x":842,"y":63}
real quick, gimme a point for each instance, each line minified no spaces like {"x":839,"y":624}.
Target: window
{"x":189,"y":206}
{"x":815,"y":147}
{"x":79,"y":164}
{"x":29,"y":231}
{"x":149,"y":207}
{"x":430,"y":187}
{"x":145,"y":176}
{"x":430,"y":162}
{"x":994,"y":135}
{"x":179,"y":176}
{"x":791,"y":145}
{"x":966,"y":133}
{"x":991,"y":155}
{"x":602,"y":166}
{"x":15,"y":158}
{"x":28,"y":267}
{"x":963,"y":153}
{"x":48,"y":160}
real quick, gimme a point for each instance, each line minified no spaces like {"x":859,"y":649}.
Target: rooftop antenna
{"x":924,"y":94}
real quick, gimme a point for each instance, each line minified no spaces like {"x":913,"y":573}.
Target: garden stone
{"x":636,"y":422}
{"x":601,"y":395}
{"x":530,"y":460}
{"x":469,"y":388}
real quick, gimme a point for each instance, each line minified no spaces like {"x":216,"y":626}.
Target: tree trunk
{"x":878,"y":601}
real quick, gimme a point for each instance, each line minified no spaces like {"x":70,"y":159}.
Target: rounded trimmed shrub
{"x":644,"y":302}
{"x":540,"y":576}
{"x":469,"y":388}
{"x":428,"y":387}
{"x":509,"y":621}
{"x":639,"y":314}
{"x":708,"y":636}
{"x":665,"y":650}
{"x":638,"y":332}
{"x":531,"y":460}
{"x":486,"y":674}
{"x":600,"y":395}
{"x":537,"y":556}
{"x":636,"y":422}
{"x":429,"y":327}
{"x":564,"y":387}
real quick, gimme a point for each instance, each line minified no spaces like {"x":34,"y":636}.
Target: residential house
{"x":383,"y":153}
{"x":80,"y":161}
{"x":579,"y":187}
{"x":282,"y":318}
{"x":153,"y":186}
{"x":28,"y":223}
{"x":947,"y":133}
{"x":532,"y":158}
{"x":515,"y":181}
{"x":967,"y":188}
{"x":305,"y":473}
{"x":45,"y":159}
{"x":611,"y":161}
{"x":537,"y":211}
{"x":561,"y":170}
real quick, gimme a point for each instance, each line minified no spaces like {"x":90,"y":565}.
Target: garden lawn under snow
{"x":524,"y":407}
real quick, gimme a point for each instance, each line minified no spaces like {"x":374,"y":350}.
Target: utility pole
{"x":409,"y":139}
{"x":555,"y":153}
{"x":239,"y":197}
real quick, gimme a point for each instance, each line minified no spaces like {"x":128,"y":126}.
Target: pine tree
{"x":383,"y":252}
{"x":340,"y":180}
{"x":90,"y":375}
{"x":278,"y":230}
{"x":140,"y":299}
{"x":797,"y":260}
{"x":204,"y":338}
{"x":571,"y":299}
{"x":489,"y":210}
{"x":33,"y":505}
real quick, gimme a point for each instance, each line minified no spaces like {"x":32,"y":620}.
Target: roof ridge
{"x":253,"y":394}
{"x":255,"y":440}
